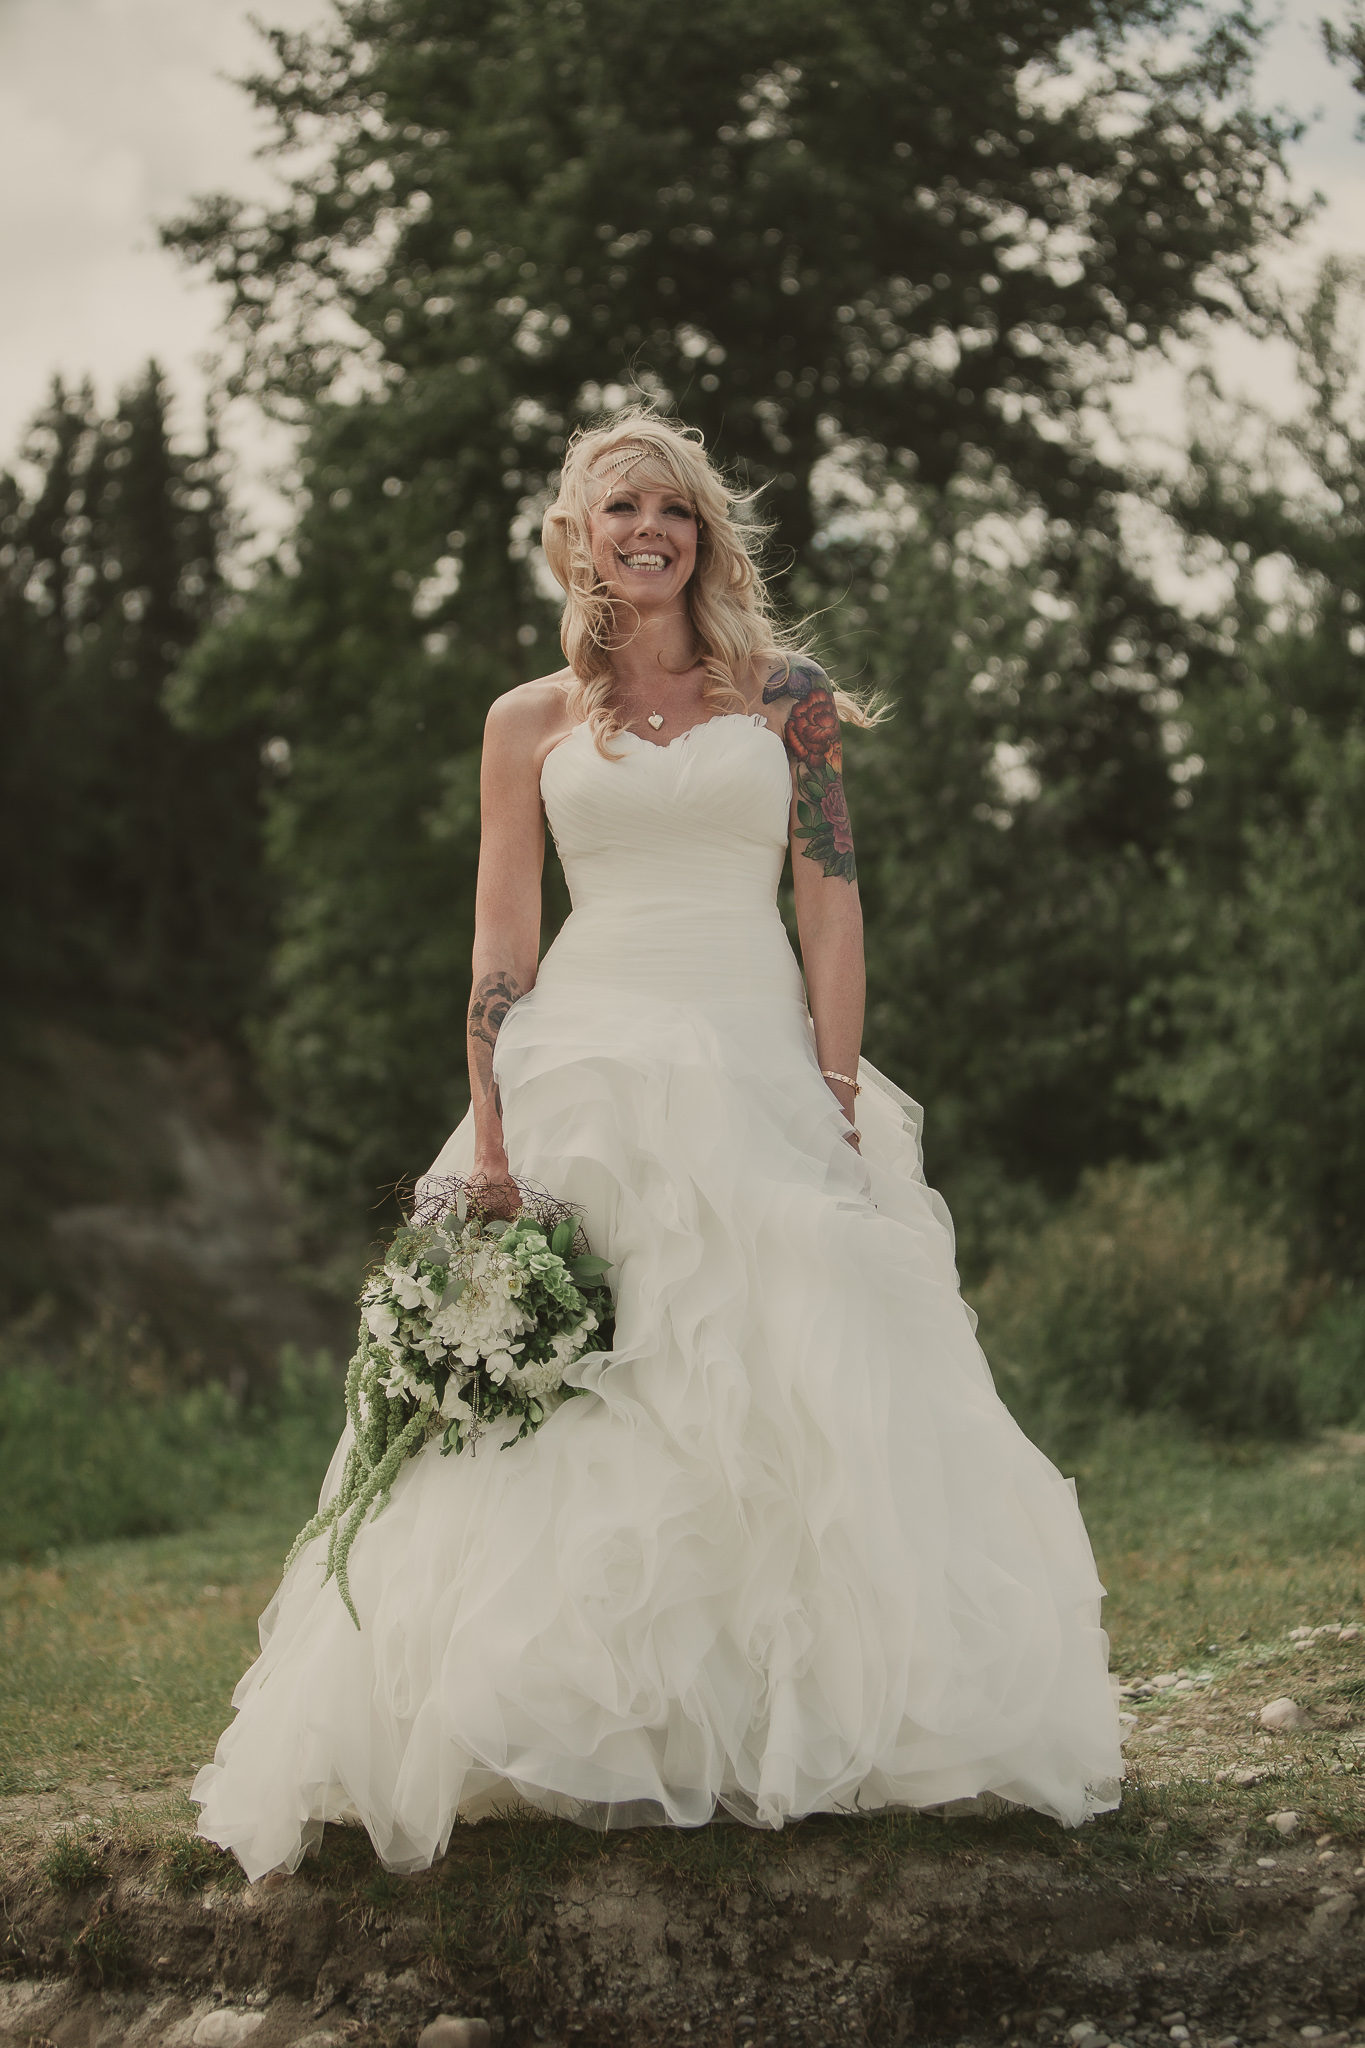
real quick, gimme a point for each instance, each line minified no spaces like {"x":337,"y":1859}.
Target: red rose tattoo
{"x":834,"y":811}
{"x":812,"y":731}
{"x":812,"y":740}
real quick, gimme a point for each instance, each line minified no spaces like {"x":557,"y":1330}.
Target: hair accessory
{"x":621,"y":458}
{"x":827,"y":1075}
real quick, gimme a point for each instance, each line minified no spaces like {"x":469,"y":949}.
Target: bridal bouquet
{"x":469,"y":1319}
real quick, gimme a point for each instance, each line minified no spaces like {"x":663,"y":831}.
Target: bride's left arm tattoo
{"x":811,"y":737}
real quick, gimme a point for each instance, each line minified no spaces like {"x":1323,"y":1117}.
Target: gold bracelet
{"x":827,"y":1075}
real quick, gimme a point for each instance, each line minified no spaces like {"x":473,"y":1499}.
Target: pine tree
{"x":133,"y":876}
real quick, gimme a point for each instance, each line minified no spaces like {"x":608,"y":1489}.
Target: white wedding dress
{"x":791,"y":1554}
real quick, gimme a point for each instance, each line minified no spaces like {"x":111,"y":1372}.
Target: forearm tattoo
{"x":493,"y":997}
{"x":811,"y":737}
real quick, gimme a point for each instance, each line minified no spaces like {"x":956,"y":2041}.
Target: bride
{"x":792,"y":1555}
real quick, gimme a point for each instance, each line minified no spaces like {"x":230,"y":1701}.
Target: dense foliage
{"x":129,"y":849}
{"x":914,"y":241}
{"x":891,"y":261}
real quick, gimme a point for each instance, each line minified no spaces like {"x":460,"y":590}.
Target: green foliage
{"x":129,"y":849}
{"x":1261,"y":993}
{"x":1009,"y":820}
{"x":1332,"y":1364}
{"x":1273,"y":1074}
{"x":191,"y":1864}
{"x":1149,"y":1294}
{"x":72,"y":1866}
{"x":808,"y":228}
{"x":85,"y":1460}
{"x":781,"y":212}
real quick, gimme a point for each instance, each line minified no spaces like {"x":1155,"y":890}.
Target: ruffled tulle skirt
{"x":789,"y":1555}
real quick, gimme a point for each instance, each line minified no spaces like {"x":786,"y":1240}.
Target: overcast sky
{"x":114,"y":113}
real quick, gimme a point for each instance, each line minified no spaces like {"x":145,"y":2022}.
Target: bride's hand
{"x":847,"y":1101}
{"x":494,"y":1190}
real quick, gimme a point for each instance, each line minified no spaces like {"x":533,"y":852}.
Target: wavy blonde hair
{"x":729,"y":606}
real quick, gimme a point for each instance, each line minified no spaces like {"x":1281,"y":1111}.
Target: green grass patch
{"x":107,"y":1454}
{"x":72,"y":1865}
{"x":120,"y":1659}
{"x":1211,"y":1549}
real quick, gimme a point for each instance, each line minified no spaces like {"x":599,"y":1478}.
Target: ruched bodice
{"x":673,"y":855}
{"x":787,"y":1553}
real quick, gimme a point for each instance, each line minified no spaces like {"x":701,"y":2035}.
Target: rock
{"x":1286,"y":1823}
{"x":1246,"y":1779}
{"x":1283,"y":1717}
{"x":226,"y":2028}
{"x":446,"y":2031}
{"x":1331,"y":1916}
{"x":1084,"y":2030}
{"x":1163,"y":1680}
{"x":1350,"y":1634}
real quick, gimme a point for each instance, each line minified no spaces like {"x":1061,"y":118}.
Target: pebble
{"x":226,"y":2029}
{"x":1266,"y":1863}
{"x":1283,"y":1716}
{"x":1286,"y":1823}
{"x":448,"y":2031}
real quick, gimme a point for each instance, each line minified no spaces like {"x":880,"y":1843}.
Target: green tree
{"x":132,"y":869}
{"x":928,"y":234}
{"x":1266,"y":914}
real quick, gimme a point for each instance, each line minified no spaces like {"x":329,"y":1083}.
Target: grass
{"x":119,"y":1659}
{"x":1203,"y":1544}
{"x":115,"y":1452}
{"x":117,"y":1662}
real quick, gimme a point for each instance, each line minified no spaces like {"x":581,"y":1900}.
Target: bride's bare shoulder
{"x":531,"y":717}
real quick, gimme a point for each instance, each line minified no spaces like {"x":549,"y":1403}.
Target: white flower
{"x":380,"y":1320}
{"x":453,"y":1404}
{"x":413,"y":1293}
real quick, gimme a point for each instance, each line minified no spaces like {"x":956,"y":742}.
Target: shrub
{"x":1148,"y":1294}
{"x":90,"y":1459}
{"x":1331,"y":1362}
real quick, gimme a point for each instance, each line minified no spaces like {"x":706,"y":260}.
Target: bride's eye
{"x":681,"y":512}
{"x":620,"y":505}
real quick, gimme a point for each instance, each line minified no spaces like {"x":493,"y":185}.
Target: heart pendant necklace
{"x":656,"y":719}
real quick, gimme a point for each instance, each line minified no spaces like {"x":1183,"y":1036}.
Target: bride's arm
{"x":824,"y":875}
{"x":507,"y":905}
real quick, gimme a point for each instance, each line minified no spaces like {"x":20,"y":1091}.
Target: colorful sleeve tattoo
{"x":811,"y":737}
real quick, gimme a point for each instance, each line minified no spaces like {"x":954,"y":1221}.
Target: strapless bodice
{"x":672,"y":856}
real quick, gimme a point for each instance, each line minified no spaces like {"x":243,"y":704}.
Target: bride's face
{"x":644,"y":543}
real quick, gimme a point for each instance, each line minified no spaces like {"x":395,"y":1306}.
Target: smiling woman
{"x":790,"y":1554}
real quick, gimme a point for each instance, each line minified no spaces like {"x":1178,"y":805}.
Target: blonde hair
{"x":729,"y":606}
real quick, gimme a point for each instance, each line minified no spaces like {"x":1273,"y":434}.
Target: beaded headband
{"x":621,"y":458}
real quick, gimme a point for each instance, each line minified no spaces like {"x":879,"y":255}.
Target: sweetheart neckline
{"x":753,"y":719}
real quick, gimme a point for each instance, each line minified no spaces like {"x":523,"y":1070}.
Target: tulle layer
{"x":788,"y":1553}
